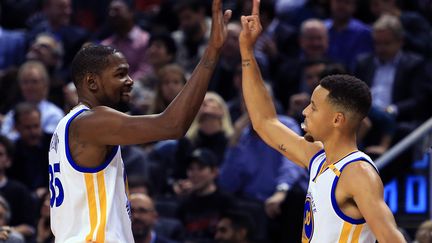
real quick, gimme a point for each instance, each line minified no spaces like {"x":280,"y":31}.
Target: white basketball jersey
{"x":324,"y":221}
{"x":87,"y":204}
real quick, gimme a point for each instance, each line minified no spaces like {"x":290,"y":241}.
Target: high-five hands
{"x":251,"y":27}
{"x":219,"y":31}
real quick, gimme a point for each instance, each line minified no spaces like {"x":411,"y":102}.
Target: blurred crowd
{"x":221,"y":182}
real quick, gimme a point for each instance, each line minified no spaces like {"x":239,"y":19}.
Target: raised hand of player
{"x":251,"y":27}
{"x":219,"y":24}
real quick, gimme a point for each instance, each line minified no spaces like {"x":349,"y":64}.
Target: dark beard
{"x":123,"y":106}
{"x":141,"y":234}
{"x":309,"y":138}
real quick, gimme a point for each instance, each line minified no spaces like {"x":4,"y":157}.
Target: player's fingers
{"x":255,"y":7}
{"x":216,"y":7}
{"x":244,"y":23}
{"x":251,"y":18}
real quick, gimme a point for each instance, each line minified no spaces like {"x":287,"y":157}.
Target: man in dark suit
{"x":399,"y":84}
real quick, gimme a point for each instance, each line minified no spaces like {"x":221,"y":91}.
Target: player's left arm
{"x":367,"y":192}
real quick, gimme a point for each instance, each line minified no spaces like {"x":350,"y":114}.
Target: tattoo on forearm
{"x":282,"y":147}
{"x":246,"y":63}
{"x":209,"y":63}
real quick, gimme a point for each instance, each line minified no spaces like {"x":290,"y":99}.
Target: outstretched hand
{"x":251,"y":27}
{"x":219,"y":24}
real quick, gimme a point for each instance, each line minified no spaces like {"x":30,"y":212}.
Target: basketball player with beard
{"x":88,"y":185}
{"x":344,"y":202}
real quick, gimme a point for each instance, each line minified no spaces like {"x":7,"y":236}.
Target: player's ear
{"x":90,"y":82}
{"x":338,"y":119}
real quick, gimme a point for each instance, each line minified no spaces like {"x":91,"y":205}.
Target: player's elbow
{"x":261,"y":126}
{"x":393,"y":236}
{"x":258,"y":125}
{"x":178,"y":129}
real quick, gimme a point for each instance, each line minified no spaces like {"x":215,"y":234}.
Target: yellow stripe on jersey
{"x":100,"y":236}
{"x":91,"y":200}
{"x":335,"y":170}
{"x":346,"y":230}
{"x":356,"y":234}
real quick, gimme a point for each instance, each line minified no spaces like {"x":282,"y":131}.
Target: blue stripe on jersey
{"x":72,"y":161}
{"x":336,"y":208}
{"x":313,"y":158}
{"x":319,"y":168}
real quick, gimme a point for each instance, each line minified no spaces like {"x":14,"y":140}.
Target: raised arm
{"x":105,"y":126}
{"x":185,"y":106}
{"x":367,"y":192}
{"x":259,"y":103}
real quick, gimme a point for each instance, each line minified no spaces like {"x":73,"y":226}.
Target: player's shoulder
{"x":95,"y":114}
{"x":360,"y":168}
{"x":360,"y":173}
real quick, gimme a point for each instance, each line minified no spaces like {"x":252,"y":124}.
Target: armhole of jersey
{"x":336,"y":208}
{"x":313,"y":158}
{"x":72,"y":161}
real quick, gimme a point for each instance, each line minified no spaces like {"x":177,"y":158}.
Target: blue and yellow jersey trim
{"x":97,"y":204}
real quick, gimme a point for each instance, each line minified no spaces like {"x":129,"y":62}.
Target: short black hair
{"x":167,"y":40}
{"x":91,"y":59}
{"x":312,"y":62}
{"x":129,"y":3}
{"x":194,"y":5}
{"x":332,"y":69}
{"x":24,"y":108}
{"x":349,"y":93}
{"x":240,"y":220}
{"x":140,"y":181}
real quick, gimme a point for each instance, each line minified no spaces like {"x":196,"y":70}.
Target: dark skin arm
{"x":93,"y":133}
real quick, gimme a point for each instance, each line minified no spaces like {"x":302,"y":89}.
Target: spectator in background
{"x":202,"y":202}
{"x":399,"y":86}
{"x":313,"y":41}
{"x":161,"y":53}
{"x":223,"y":79}
{"x":33,"y":82}
{"x":348,"y":37}
{"x":212,"y":126}
{"x":30,"y":159}
{"x":44,"y":233}
{"x":144,"y":218}
{"x":7,"y":234}
{"x":311,"y":72}
{"x":138,"y":184}
{"x":16,"y":194}
{"x":193,"y":33}
{"x":56,"y":19}
{"x":234,"y":227}
{"x":128,"y":37}
{"x":417,"y":30}
{"x":48,"y":50}
{"x":172,"y":78}
{"x":12,"y":47}
{"x":211,"y":129}
{"x":257,"y":173}
{"x":70,"y":97}
{"x":424,"y":232}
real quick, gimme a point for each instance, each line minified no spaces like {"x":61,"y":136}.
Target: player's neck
{"x":85,"y":102}
{"x":339,"y":148}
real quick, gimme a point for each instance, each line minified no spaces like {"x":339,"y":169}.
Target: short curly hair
{"x":348,"y":93}
{"x":91,"y":59}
